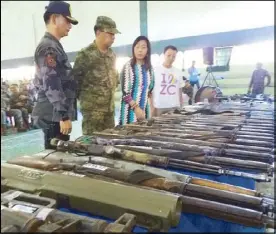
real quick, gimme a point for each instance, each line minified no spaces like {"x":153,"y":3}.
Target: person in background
{"x":167,"y":92}
{"x":6,"y":110}
{"x":54,"y":110}
{"x":137,"y":78}
{"x":194,"y":75}
{"x":32,"y":91}
{"x":257,"y":82}
{"x":27,"y":92}
{"x":188,"y":90}
{"x":97,"y":78}
{"x":30,"y":102}
{"x":19,"y":100}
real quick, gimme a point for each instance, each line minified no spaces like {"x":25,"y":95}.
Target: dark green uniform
{"x":6,"y":110}
{"x":97,"y":78}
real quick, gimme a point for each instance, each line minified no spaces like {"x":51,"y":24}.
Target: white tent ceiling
{"x":22,"y":25}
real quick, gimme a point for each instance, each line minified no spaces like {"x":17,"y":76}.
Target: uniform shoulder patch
{"x":50,"y":60}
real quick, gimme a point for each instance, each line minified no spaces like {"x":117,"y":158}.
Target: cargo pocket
{"x":95,"y":103}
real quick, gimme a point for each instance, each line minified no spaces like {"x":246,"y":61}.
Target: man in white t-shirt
{"x":167,"y":92}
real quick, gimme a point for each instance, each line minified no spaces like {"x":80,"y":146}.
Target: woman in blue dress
{"x":137,"y":80}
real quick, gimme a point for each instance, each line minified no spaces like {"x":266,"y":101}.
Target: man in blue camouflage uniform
{"x":257,"y":82}
{"x":55,"y":107}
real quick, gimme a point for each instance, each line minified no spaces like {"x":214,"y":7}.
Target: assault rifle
{"x":104,"y":148}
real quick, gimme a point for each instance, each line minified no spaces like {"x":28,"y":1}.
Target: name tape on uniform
{"x":95,"y":166}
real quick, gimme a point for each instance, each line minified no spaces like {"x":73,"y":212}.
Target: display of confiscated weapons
{"x":262,"y":152}
{"x":217,"y":124}
{"x":212,"y":160}
{"x":23,"y":212}
{"x":155,"y":210}
{"x":228,"y":204}
{"x":103,"y":147}
{"x":188,"y":149}
{"x":227,"y":136}
{"x":198,"y":141}
{"x":57,"y":157}
{"x":237,"y":142}
{"x":218,"y":108}
{"x":230,"y":139}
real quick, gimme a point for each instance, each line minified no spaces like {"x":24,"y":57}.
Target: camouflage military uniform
{"x":25,"y":108}
{"x":56,"y":96}
{"x":5,"y":110}
{"x":28,"y":90}
{"x":257,"y":81}
{"x":97,"y":79}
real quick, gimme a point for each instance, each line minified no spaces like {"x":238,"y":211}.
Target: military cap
{"x":62,"y":8}
{"x":106,"y":24}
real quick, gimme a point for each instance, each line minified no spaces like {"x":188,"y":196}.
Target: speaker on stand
{"x":208,"y":59}
{"x":209,"y":88}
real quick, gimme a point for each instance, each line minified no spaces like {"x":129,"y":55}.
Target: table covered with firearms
{"x":164,"y":174}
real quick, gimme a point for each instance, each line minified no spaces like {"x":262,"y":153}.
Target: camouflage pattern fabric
{"x":106,"y":24}
{"x":54,"y":82}
{"x":5,"y":98}
{"x":26,"y":103}
{"x":97,"y":80}
{"x":5,"y":110}
{"x":29,"y":90}
{"x":96,"y":121}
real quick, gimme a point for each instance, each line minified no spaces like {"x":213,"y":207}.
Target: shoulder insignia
{"x":51,"y":61}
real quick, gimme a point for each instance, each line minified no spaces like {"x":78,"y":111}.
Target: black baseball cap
{"x":61,"y":8}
